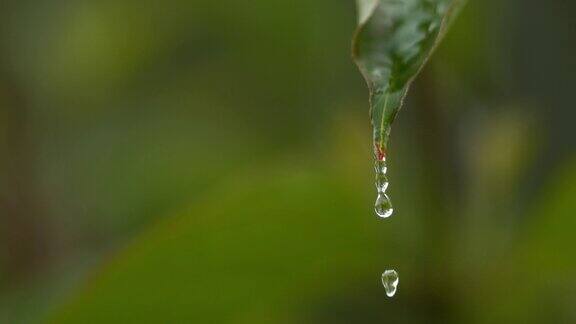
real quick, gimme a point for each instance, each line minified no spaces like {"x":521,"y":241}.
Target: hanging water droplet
{"x":383,"y":206}
{"x":381,"y":182}
{"x":380,"y":166}
{"x":390,"y":281}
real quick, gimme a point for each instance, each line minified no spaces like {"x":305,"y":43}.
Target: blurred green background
{"x":209,"y":161}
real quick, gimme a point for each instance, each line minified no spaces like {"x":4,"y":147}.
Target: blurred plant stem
{"x":433,"y":138}
{"x":23,"y":231}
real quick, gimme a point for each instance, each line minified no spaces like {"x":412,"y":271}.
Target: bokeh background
{"x":209,"y":162}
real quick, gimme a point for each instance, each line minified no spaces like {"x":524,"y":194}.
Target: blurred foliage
{"x":225,"y":261}
{"x":210,"y":161}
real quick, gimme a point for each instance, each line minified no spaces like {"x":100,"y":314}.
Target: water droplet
{"x":380,"y":167}
{"x":381,"y":182}
{"x":383,"y":206}
{"x":390,"y":281}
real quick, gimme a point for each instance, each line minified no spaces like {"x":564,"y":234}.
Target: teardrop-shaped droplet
{"x":383,"y":206}
{"x":390,"y":281}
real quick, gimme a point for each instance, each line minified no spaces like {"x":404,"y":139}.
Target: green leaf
{"x":261,"y":249}
{"x":393,"y":41}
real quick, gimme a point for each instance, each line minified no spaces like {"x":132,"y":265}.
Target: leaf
{"x":393,"y":41}
{"x":261,"y":249}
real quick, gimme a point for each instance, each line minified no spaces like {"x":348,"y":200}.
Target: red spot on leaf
{"x":380,"y":152}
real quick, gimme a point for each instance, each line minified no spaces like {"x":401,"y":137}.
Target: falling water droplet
{"x":390,"y":281}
